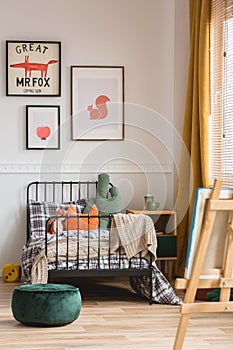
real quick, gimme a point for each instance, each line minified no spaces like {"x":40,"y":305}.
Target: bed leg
{"x":151,"y":287}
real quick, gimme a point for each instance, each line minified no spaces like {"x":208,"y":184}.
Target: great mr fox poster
{"x":33,"y":68}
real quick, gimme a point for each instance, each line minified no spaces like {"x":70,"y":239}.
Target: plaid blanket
{"x":163,"y":292}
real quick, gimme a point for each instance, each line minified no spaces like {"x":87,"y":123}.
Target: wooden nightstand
{"x":165,"y":226}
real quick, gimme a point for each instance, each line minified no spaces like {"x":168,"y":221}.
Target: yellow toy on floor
{"x":11,"y":273}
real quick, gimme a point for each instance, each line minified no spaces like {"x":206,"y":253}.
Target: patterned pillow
{"x":75,"y":221}
{"x":40,"y":212}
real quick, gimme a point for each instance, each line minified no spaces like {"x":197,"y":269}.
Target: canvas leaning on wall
{"x":216,"y":248}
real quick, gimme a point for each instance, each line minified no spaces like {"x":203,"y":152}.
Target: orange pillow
{"x":82,"y":222}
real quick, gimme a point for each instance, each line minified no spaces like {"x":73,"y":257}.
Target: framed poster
{"x":97,"y":102}
{"x":216,"y":248}
{"x":42,"y":127}
{"x":33,"y":68}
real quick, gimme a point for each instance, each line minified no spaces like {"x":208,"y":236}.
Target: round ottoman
{"x":46,"y":305}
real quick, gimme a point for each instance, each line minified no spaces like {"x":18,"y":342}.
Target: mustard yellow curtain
{"x":195,"y":134}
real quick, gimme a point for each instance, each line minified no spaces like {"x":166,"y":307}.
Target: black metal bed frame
{"x":70,"y":191}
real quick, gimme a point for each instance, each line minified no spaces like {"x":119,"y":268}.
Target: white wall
{"x":141,"y":35}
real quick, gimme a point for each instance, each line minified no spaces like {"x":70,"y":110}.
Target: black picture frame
{"x":96,"y":88}
{"x":33,"y":68}
{"x":42,"y":127}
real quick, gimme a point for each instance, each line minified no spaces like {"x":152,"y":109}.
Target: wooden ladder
{"x":225,"y":280}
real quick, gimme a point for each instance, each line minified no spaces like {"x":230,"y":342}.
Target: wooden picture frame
{"x":42,"y":127}
{"x":97,"y":102}
{"x":216,"y":247}
{"x":33,"y":68}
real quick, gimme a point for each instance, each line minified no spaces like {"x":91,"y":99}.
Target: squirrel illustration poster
{"x":33,"y":68}
{"x":100,"y":111}
{"x":97,"y":102}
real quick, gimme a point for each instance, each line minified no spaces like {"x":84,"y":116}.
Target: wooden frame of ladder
{"x":225,"y":280}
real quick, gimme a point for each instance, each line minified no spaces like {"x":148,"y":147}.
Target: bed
{"x":74,"y":230}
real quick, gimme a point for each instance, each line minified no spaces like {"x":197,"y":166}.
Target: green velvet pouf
{"x":46,"y":305}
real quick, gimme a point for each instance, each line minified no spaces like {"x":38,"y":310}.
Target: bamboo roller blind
{"x":221,"y":64}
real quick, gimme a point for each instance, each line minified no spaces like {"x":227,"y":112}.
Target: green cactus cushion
{"x":108,"y":200}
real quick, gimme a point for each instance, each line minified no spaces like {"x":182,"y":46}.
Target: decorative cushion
{"x":46,"y":304}
{"x":39,"y":212}
{"x":83,"y":223}
{"x":103,"y":185}
{"x":108,"y":206}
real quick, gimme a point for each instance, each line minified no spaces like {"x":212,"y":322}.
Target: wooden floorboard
{"x":113,"y":317}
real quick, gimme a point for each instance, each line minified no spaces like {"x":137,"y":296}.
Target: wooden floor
{"x":113,"y":317}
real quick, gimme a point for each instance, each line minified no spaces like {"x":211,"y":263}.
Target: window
{"x":221,"y":91}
